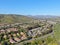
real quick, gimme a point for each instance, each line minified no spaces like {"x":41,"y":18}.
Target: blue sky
{"x":30,"y":7}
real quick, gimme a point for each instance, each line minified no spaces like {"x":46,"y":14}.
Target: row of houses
{"x":8,"y":30}
{"x":8,"y":35}
{"x":13,"y":38}
{"x":40,"y":31}
{"x":16,"y":39}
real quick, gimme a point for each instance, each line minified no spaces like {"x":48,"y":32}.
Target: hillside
{"x":39,"y":32}
{"x":13,"y":18}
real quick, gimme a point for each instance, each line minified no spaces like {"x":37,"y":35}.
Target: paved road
{"x":50,"y":34}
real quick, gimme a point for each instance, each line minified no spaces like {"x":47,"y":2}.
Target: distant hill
{"x":48,"y":17}
{"x":13,"y":18}
{"x":42,"y":16}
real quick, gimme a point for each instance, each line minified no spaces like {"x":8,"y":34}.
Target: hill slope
{"x":13,"y":18}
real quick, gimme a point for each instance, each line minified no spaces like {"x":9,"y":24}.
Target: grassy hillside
{"x":57,"y":32}
{"x":12,"y":18}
